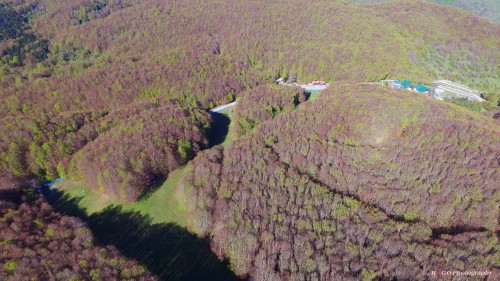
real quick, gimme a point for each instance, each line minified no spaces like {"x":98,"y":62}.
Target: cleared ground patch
{"x":165,"y":205}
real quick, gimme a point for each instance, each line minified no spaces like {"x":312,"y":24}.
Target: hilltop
{"x":366,"y":182}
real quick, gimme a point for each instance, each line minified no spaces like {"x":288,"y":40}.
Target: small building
{"x":407,"y":84}
{"x":444,"y":89}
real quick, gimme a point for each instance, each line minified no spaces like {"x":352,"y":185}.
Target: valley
{"x":184,"y":140}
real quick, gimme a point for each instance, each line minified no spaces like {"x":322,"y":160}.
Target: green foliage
{"x":340,"y":211}
{"x":486,"y":8}
{"x":408,"y":121}
{"x":80,"y":74}
{"x":374,"y":157}
{"x":10,"y":266}
{"x":75,"y":277}
{"x":185,"y":149}
{"x":230,"y":97}
{"x":49,"y":232}
{"x":120,"y":104}
{"x":395,"y":193}
{"x":36,"y":253}
{"x":436,"y":188}
{"x":368,"y":275}
{"x":464,"y":102}
{"x":410,"y":216}
{"x":26,"y":44}
{"x":309,"y":265}
{"x":14,"y":158}
{"x":95,"y":274}
{"x":263,"y":103}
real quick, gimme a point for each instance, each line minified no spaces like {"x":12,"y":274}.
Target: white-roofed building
{"x":444,"y":89}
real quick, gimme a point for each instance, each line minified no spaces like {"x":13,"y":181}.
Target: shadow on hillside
{"x":220,"y":128}
{"x":152,"y":188}
{"x":169,"y":251}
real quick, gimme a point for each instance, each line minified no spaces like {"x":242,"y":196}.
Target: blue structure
{"x":402,"y":84}
{"x":405,"y":84}
{"x":421,"y":88}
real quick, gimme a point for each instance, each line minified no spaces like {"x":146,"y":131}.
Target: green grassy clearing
{"x":165,"y":205}
{"x":90,"y":200}
{"x":314,"y":95}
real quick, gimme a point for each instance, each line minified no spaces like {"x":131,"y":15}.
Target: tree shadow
{"x":152,"y":187}
{"x":11,"y":195}
{"x":169,"y":251}
{"x":220,"y":128}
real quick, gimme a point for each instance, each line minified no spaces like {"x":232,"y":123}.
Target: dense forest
{"x":359,"y":182}
{"x":263,"y":103}
{"x":38,"y":243}
{"x":70,"y":72}
{"x":365,"y":183}
{"x":117,"y":153}
{"x":486,"y":8}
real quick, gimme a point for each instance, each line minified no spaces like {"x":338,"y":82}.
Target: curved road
{"x":222,"y":107}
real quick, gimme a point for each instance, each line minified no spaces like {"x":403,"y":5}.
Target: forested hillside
{"x":358,"y":182}
{"x":489,"y":9}
{"x":37,"y":243}
{"x":75,"y":74}
{"x":364,"y":183}
{"x":263,"y":103}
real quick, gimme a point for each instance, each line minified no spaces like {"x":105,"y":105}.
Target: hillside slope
{"x":486,"y":8}
{"x":38,"y":243}
{"x":263,"y":103}
{"x":364,"y":183}
{"x":71,"y":65}
{"x":489,"y":9}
